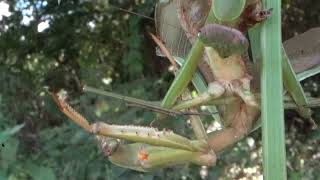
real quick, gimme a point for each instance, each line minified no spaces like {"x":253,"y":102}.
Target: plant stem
{"x":273,"y":133}
{"x":293,"y":86}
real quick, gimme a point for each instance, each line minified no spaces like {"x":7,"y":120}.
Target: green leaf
{"x":273,"y":133}
{"x":41,"y":172}
{"x":2,"y":175}
{"x":294,"y":47}
{"x":293,"y":86}
{"x":9,"y":152}
{"x":255,"y":42}
{"x":228,"y":10}
{"x":10,"y":132}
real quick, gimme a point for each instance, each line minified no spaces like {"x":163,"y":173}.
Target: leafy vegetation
{"x":104,"y":47}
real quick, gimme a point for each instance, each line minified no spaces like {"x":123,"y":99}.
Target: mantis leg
{"x":165,"y":149}
{"x":147,"y":135}
{"x":238,"y":128}
{"x":215,"y":91}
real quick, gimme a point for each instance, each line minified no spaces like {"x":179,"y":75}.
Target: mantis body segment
{"x":162,"y":146}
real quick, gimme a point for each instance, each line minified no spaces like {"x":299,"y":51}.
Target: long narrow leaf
{"x":293,"y":86}
{"x":273,"y":134}
{"x":4,"y":135}
{"x":255,"y":41}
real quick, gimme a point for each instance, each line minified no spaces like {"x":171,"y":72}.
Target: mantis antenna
{"x":141,"y":15}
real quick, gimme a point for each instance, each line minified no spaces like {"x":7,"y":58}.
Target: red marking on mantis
{"x":143,"y":155}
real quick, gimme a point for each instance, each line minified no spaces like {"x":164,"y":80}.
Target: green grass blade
{"x":6,"y":134}
{"x":273,"y":133}
{"x":255,"y":42}
{"x":291,"y":82}
{"x":293,"y":86}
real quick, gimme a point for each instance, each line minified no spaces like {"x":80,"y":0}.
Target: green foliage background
{"x":117,"y":49}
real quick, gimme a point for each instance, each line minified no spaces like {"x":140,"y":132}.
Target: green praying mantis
{"x":220,"y":40}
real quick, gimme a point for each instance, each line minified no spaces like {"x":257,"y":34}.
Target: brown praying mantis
{"x":224,"y":47}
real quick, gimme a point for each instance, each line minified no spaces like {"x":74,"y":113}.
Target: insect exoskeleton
{"x":142,"y":154}
{"x":263,"y":14}
{"x":108,"y":145}
{"x":225,"y":40}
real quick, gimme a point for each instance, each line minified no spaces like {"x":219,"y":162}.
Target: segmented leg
{"x":215,"y":90}
{"x":132,"y":133}
{"x":70,"y":112}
